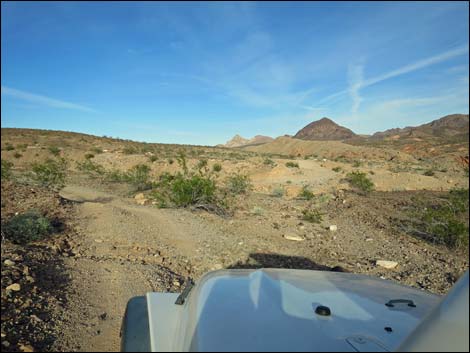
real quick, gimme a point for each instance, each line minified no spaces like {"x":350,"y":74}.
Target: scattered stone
{"x":103,"y":316}
{"x":333,"y":228}
{"x":369,"y":239}
{"x":98,"y":240}
{"x":293,"y":236}
{"x":14,"y":287}
{"x":9,"y":263}
{"x":140,"y":199}
{"x":386,"y":264}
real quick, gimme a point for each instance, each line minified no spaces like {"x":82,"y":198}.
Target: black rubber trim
{"x":182,"y":297}
{"x":135,"y":331}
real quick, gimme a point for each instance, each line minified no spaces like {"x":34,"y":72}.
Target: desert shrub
{"x":357,"y":164}
{"x":305,"y":193}
{"x":54,"y":150}
{"x":182,"y":162}
{"x":292,"y":165}
{"x":139,"y":176}
{"x":278,"y":192}
{"x":269,"y":161}
{"x":170,"y":161}
{"x":23,"y":146}
{"x":257,"y":211}
{"x":429,"y":172}
{"x":337,"y":169}
{"x":360,"y":181}
{"x":443,"y":220}
{"x":202,"y":164}
{"x":90,"y":167}
{"x":192,"y":190}
{"x":89,"y":155}
{"x":217,"y":167}
{"x":238,"y":184}
{"x":115,"y":176}
{"x":312,"y":216}
{"x":97,"y":150}
{"x":17,"y":155}
{"x":9,"y":147}
{"x":6,"y":169}
{"x":129,"y":150}
{"x":153,"y":158}
{"x":51,"y":173}
{"x":26,"y":227}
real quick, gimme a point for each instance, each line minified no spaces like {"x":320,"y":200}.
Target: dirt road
{"x":124,"y":250}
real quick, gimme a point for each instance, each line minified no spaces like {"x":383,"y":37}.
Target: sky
{"x":199,"y":73}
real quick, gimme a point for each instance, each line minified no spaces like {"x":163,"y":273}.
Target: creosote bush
{"x":51,"y":173}
{"x":312,"y":216}
{"x":238,"y":184}
{"x":292,"y":165}
{"x":26,"y":227}
{"x":305,"y":193}
{"x":359,"y":180}
{"x":6,"y":169}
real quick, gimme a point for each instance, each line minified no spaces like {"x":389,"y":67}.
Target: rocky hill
{"x":324,"y":129}
{"x":447,"y":126}
{"x":238,"y":141}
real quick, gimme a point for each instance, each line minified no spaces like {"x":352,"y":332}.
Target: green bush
{"x":139,"y":176}
{"x":360,"y":181}
{"x":238,"y":184}
{"x":26,"y":227}
{"x":305,"y":193}
{"x":51,"y":173}
{"x":192,"y":190}
{"x":153,"y":158}
{"x":115,"y":176}
{"x":129,"y":150}
{"x":217,"y":167}
{"x":202,"y":164}
{"x":278,"y":192}
{"x":90,"y":167}
{"x":337,"y":169}
{"x":89,"y":155}
{"x":17,"y":155}
{"x":97,"y":150}
{"x":269,"y":161}
{"x":54,"y":150}
{"x":170,"y":161}
{"x":9,"y":147}
{"x":429,"y":172}
{"x":312,"y":216}
{"x":357,"y":164}
{"x":445,"y":220}
{"x":6,"y":169}
{"x":292,"y":165}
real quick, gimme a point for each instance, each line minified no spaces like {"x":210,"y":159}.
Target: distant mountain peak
{"x":324,"y":129}
{"x":239,"y":141}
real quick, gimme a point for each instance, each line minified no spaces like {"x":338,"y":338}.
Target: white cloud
{"x":356,"y":80}
{"x":43,"y":100}
{"x":418,"y":65}
{"x":354,"y":89}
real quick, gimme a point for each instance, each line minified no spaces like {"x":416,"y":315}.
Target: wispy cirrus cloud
{"x":43,"y":100}
{"x":357,"y":82}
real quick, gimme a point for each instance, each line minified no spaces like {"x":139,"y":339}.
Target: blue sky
{"x":198,"y":73}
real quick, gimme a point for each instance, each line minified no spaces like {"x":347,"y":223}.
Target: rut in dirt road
{"x":121,"y":254}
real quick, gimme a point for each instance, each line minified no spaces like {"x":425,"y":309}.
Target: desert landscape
{"x":89,"y":222}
